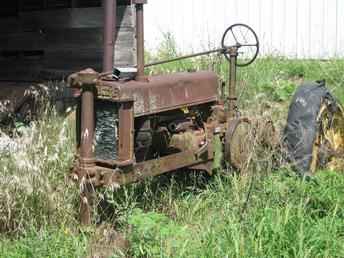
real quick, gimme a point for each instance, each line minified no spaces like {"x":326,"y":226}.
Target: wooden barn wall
{"x":292,"y":28}
{"x":51,"y":44}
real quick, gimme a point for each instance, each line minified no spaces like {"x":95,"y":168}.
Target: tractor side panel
{"x":164,"y":93}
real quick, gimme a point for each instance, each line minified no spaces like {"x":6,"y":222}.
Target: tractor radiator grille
{"x":106,"y":133}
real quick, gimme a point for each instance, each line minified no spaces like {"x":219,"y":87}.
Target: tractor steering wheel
{"x":242,"y":37}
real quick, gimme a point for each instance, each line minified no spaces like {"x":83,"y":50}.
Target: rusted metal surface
{"x":110,"y":10}
{"x":85,"y":81}
{"x":243,"y":138}
{"x":87,"y":126}
{"x":218,"y":113}
{"x":163,"y":93}
{"x":182,"y":126}
{"x":126,"y":133}
{"x":238,"y":142}
{"x":84,"y":77}
{"x":206,"y":167}
{"x":232,"y":99}
{"x":140,"y":39}
{"x":191,"y":140}
{"x":101,"y":175}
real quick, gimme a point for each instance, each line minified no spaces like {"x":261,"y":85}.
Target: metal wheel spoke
{"x":236,"y":41}
{"x":243,"y":36}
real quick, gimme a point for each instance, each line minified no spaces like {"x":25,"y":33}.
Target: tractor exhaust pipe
{"x":140,"y":39}
{"x":87,"y":79}
{"x":232,"y":99}
{"x":110,"y":9}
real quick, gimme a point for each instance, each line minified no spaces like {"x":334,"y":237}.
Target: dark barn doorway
{"x":49,"y":39}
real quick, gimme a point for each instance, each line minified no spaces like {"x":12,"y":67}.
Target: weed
{"x":35,"y":191}
{"x":152,"y":230}
{"x":45,"y":243}
{"x":277,"y":223}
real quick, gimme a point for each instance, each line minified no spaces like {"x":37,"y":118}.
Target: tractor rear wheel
{"x":239,"y":143}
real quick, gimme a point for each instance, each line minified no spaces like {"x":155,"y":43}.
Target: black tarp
{"x":302,"y":124}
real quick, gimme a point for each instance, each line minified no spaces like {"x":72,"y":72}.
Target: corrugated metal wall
{"x":294,"y":28}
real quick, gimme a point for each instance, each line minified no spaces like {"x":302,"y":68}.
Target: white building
{"x":294,"y":28}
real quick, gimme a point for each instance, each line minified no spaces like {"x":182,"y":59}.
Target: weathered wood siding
{"x":51,"y":44}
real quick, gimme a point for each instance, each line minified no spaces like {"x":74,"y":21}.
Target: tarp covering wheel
{"x":314,"y":134}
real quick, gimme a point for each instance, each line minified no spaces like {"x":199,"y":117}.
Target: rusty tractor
{"x":131,"y":126}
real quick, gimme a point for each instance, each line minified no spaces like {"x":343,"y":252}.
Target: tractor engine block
{"x":155,"y":136}
{"x":165,"y":134}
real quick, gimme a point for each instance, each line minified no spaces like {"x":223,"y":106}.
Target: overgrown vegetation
{"x":266,"y":213}
{"x":47,"y":242}
{"x":35,"y":191}
{"x":284,"y":217}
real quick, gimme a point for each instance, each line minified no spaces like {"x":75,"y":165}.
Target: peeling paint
{"x":85,"y":135}
{"x":139,"y":104}
{"x":153,"y":102}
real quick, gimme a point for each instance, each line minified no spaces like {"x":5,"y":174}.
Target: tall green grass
{"x":35,"y":189}
{"x":284,"y":217}
{"x":58,"y":242}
